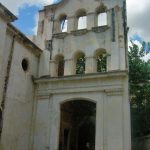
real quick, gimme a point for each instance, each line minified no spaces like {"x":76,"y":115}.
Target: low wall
{"x":142,"y":143}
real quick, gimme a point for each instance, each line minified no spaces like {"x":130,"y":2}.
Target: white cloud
{"x":15,"y":5}
{"x":146,"y":57}
{"x":138,"y":18}
{"x":137,"y":43}
{"x":34,"y":30}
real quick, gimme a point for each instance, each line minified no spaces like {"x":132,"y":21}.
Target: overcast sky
{"x":138,"y":15}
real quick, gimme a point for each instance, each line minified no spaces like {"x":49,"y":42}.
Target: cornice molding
{"x":6,"y":14}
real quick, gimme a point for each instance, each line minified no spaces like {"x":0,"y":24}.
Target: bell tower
{"x":82,"y":97}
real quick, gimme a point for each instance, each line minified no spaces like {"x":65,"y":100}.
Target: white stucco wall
{"x":112,"y":125}
{"x":67,"y":44}
{"x":17,"y":123}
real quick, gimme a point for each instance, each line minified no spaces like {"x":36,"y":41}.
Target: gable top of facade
{"x":55,"y":5}
{"x":6,"y":14}
{"x":73,"y":5}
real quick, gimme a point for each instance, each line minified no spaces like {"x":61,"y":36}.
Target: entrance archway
{"x":77,"y":126}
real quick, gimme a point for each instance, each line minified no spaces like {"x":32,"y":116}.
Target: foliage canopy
{"x":139,"y":81}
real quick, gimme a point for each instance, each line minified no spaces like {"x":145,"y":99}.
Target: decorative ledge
{"x":114,"y":91}
{"x":60,"y":35}
{"x":102,"y":75}
{"x":100,"y":29}
{"x":79,"y":32}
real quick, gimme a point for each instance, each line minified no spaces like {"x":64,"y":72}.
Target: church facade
{"x":67,"y":87}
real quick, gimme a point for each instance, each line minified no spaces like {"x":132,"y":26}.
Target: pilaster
{"x":68,"y":70}
{"x":53,"y":68}
{"x":90,"y":20}
{"x":71,"y":21}
{"x":90,"y":66}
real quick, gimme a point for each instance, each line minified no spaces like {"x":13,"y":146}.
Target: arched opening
{"x":101,"y":59}
{"x":80,"y":63}
{"x":102,"y":19}
{"x":60,"y":65}
{"x":63,"y":23}
{"x":81,"y":19}
{"x":77,"y":126}
{"x":101,"y":15}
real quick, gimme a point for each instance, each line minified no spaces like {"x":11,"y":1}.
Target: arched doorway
{"x":77,"y":126}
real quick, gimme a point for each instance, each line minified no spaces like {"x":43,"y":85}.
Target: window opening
{"x":61,"y":67}
{"x":101,"y":15}
{"x":102,"y":63}
{"x":102,"y":19}
{"x":82,"y":22}
{"x":81,"y":19}
{"x":25,"y":64}
{"x":64,"y":24}
{"x":80,"y":64}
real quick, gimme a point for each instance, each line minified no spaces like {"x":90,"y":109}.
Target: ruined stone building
{"x":67,"y":87}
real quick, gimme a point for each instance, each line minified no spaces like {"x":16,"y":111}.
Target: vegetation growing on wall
{"x":101,"y":63}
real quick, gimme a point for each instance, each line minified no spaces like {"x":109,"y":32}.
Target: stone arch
{"x":101,"y":60}
{"x":78,"y":98}
{"x":81,"y":12}
{"x":101,"y":15}
{"x":59,"y":65}
{"x":81,"y":19}
{"x":77,"y":124}
{"x":101,"y":8}
{"x":79,"y":62}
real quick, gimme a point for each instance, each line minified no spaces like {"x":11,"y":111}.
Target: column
{"x":90,"y":66}
{"x":69,"y":67}
{"x":71,"y":24}
{"x":55,"y":125}
{"x":109,"y":18}
{"x":113,"y":119}
{"x":53,"y":68}
{"x":99,"y":123}
{"x":42,"y":121}
{"x":90,"y":20}
{"x":44,"y":63}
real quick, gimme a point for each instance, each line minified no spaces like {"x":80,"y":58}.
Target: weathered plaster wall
{"x":19,"y":101}
{"x":108,"y":90}
{"x":110,"y":95}
{"x":111,"y":38}
{"x":44,"y":68}
{"x":3,"y":27}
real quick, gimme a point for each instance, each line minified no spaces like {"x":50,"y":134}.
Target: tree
{"x":139,"y":81}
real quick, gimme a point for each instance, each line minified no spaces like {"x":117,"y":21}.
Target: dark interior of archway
{"x":77,"y":127}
